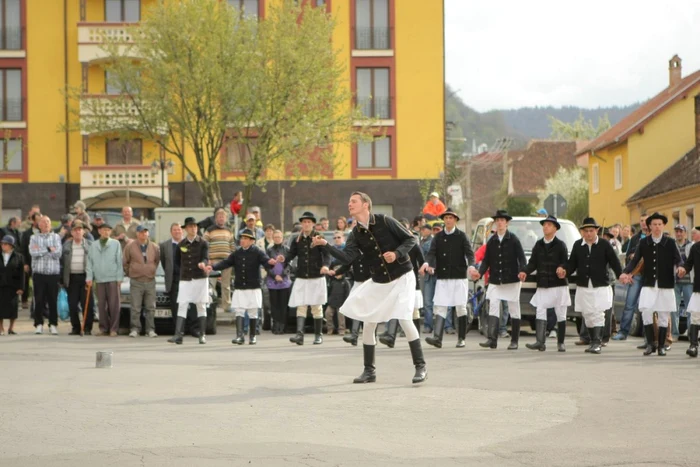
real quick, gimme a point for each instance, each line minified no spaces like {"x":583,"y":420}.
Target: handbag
{"x":63,"y":309}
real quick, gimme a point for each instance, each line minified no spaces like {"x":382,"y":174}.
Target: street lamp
{"x":162,"y":165}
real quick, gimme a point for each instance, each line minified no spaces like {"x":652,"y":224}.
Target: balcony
{"x":91,"y":37}
{"x":12,"y":113}
{"x":372,"y":41}
{"x":378,"y":108}
{"x":101,"y":113}
{"x":104,"y":186}
{"x":11,"y":43}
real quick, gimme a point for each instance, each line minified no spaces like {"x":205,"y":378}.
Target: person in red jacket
{"x":236,"y":203}
{"x":434,"y":207}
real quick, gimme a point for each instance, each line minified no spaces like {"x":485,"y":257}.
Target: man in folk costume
{"x":391,"y":291}
{"x":388,"y":338}
{"x":548,"y":254}
{"x":504,"y":260}
{"x":449,"y":258}
{"x":191,"y":258}
{"x":247,"y":294}
{"x":660,"y":257}
{"x":590,"y":259}
{"x":693,"y":306}
{"x":360,"y":274}
{"x":309,"y":288}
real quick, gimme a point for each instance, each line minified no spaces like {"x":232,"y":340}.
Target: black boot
{"x":491,"y":333}
{"x":461,"y":331}
{"x":561,"y":335}
{"x":418,"y":361}
{"x":318,"y":331}
{"x":540,"y":330}
{"x":202,"y":329}
{"x":179,"y":326}
{"x":252,"y":340}
{"x":662,"y":341}
{"x":298,"y":339}
{"x":693,"y":338}
{"x":650,"y":348}
{"x":514,"y":334}
{"x":369,"y":375}
{"x":596,"y":334}
{"x":388,"y":337}
{"x":239,"y":331}
{"x":352,"y":338}
{"x":438,"y":328}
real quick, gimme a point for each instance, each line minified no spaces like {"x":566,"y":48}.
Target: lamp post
{"x":162,"y":165}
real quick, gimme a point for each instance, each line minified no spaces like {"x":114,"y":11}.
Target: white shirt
{"x":548,"y":241}
{"x":77,"y":263}
{"x":450,"y":232}
{"x":6,"y":258}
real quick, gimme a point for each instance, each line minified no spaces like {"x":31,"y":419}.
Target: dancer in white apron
{"x":693,"y":306}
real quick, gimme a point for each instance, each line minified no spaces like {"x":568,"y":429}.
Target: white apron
{"x":308,"y":292}
{"x":419,"y":300}
{"x":507,"y":292}
{"x":551,"y":297}
{"x":373,"y":302}
{"x":246,"y":299}
{"x":593,"y":299}
{"x":451,"y":292}
{"x":694,"y":303}
{"x":656,"y":299}
{"x":194,"y":291}
{"x":355,"y":285}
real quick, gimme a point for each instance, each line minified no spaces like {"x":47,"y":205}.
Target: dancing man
{"x":391,"y":292}
{"x":693,"y":306}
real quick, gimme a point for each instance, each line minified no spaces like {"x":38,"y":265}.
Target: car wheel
{"x":211,"y":320}
{"x":636,"y":326}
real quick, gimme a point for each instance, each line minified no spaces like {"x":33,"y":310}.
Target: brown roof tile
{"x":539,"y":162}
{"x":683,"y":173}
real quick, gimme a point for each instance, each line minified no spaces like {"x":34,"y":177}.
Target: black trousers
{"x":46,"y":294}
{"x":77,"y":295}
{"x":279,"y":300}
{"x":25,"y":295}
{"x":172,"y":295}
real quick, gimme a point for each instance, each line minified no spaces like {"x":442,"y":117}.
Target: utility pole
{"x":468,"y":195}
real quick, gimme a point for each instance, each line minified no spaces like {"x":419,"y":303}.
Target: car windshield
{"x":530,"y":231}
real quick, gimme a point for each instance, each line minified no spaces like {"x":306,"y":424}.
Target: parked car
{"x":163,"y":316}
{"x":528,"y":230}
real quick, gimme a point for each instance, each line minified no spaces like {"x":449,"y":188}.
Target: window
{"x":249,"y":7}
{"x":11,"y":95}
{"x":595,"y":178}
{"x":12,"y":155}
{"x":675,"y":217}
{"x":318,"y":3}
{"x":122,"y":11}
{"x":372,"y":25}
{"x":690,"y":216}
{"x":478,"y":237}
{"x":11,"y":33}
{"x":618,"y":172}
{"x":237,"y":154}
{"x":373,"y":95}
{"x":375,"y":154}
{"x":124,"y":152}
{"x":110,"y":88}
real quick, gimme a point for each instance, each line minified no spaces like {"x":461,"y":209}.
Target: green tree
{"x":572,"y":184}
{"x":579,"y":129}
{"x":201,"y":79}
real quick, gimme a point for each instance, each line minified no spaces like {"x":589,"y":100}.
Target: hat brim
{"x":508,"y":218}
{"x":448,"y":213}
{"x":313,"y":219}
{"x":7,"y":243}
{"x":245,"y":235}
{"x":661,"y":217}
{"x":556,"y":224}
{"x":585,"y":226}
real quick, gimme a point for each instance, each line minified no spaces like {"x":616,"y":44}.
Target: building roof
{"x":636,"y":120}
{"x":537,"y":163}
{"x":684,"y":173}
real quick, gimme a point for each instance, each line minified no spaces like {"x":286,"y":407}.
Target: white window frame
{"x":595,"y":178}
{"x":618,"y":172}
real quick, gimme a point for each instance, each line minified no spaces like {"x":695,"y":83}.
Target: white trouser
{"x":182,"y":310}
{"x":594,"y":319}
{"x":513,"y":308}
{"x":252,"y":312}
{"x":442,"y":310}
{"x":559,"y":310}
{"x":316,"y":311}
{"x":695,"y":318}
{"x":368,"y":330}
{"x":648,"y":318}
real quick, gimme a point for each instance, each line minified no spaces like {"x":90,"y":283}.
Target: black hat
{"x":308,"y":215}
{"x":608,"y":234}
{"x":247,"y":233}
{"x":589,"y":222}
{"x":501,"y":214}
{"x":189,"y":221}
{"x":103,"y":226}
{"x":657,"y":215}
{"x":553,"y":220}
{"x":449,"y":212}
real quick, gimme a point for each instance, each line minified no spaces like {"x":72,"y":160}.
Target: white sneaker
{"x":39,"y":329}
{"x":53,"y":330}
{"x":152,"y":334}
{"x":553,"y":334}
{"x":133,"y":334}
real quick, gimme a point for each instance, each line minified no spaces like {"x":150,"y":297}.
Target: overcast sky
{"x":514,"y":53}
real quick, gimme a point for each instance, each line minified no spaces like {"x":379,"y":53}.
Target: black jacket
{"x":24,"y":245}
{"x":633,"y":242}
{"x":383,"y":234}
{"x":12,"y":275}
{"x":504,"y":259}
{"x":545,"y":259}
{"x":450,"y":255}
{"x":189,"y":255}
{"x":338,"y":291}
{"x":311,"y":260}
{"x":360,"y":269}
{"x":593,"y":265}
{"x":659,"y":262}
{"x":418,"y":259}
{"x":246,"y":267}
{"x":691,"y":262}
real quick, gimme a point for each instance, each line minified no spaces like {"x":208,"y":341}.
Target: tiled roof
{"x":683,"y":173}
{"x":645,"y":112}
{"x":538,"y":162}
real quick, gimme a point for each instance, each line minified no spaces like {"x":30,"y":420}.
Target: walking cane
{"x":85,"y":311}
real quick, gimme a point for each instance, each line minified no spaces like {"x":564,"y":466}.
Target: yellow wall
{"x":686,"y":203}
{"x":608,"y":204}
